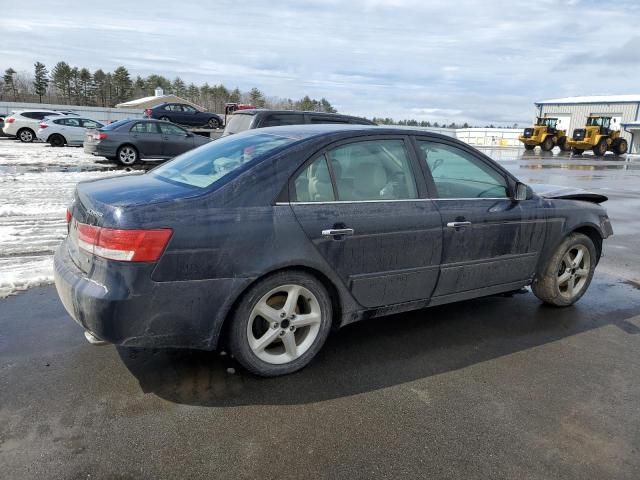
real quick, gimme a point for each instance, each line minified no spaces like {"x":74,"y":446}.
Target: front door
{"x":360,"y":205}
{"x":489,"y":239}
{"x":175,"y":140}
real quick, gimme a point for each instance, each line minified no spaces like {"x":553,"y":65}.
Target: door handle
{"x":458,"y":224}
{"x":336,"y":232}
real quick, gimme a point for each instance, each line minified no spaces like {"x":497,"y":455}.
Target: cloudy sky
{"x":475,"y":61}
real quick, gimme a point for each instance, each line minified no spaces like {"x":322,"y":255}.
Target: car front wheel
{"x":280,"y":324}
{"x":213,"y":123}
{"x":568,"y":273}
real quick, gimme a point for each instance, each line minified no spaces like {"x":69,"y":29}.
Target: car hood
{"x":567,"y":193}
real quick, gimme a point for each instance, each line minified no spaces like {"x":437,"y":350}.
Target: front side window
{"x":188,"y":109}
{"x":458,"y":174}
{"x":173,"y":108}
{"x":144,"y":127}
{"x":72,"y":122}
{"x":203,"y":166}
{"x":373,"y":170}
{"x":277,"y":119}
{"x":169,"y":129}
{"x":314,"y":184}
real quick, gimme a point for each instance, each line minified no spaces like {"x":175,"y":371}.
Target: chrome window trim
{"x":389,"y":201}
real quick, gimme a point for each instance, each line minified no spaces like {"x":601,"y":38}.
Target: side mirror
{"x":522,"y":192}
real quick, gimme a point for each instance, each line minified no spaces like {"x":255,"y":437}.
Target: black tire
{"x":26,"y":135}
{"x":213,"y":123}
{"x":57,"y":140}
{"x":620,"y":146}
{"x":529,"y":147}
{"x":164,"y":119}
{"x":243,"y":323}
{"x":601,"y":148}
{"x":547,"y":145}
{"x":549,"y":287}
{"x":577,"y":151}
{"x":562,"y":143}
{"x":127,"y":155}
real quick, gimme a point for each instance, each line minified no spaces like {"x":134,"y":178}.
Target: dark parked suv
{"x":243,"y":120}
{"x":184,"y":114}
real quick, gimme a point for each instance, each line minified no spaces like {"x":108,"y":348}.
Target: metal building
{"x":572,"y":112}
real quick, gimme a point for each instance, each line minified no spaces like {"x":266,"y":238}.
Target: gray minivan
{"x":243,"y":120}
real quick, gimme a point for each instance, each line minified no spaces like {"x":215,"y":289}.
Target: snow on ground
{"x":36,"y":185}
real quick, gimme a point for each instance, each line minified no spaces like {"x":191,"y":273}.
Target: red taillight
{"x":69,"y":215}
{"x":9,"y":120}
{"x":100,"y":136}
{"x":123,"y":245}
{"x":43,"y":125}
{"x":148,"y":112}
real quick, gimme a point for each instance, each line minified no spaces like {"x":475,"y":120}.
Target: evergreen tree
{"x":326,"y":106}
{"x":256,"y":97}
{"x":179,"y":87}
{"x":9,"y":83}
{"x":100,"y":87}
{"x":122,"y":84}
{"x":61,"y":77}
{"x":41,"y":80}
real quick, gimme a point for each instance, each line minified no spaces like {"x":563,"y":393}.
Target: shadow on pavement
{"x":383,"y":352}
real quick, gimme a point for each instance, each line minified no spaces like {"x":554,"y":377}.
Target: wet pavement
{"x":500,"y":387}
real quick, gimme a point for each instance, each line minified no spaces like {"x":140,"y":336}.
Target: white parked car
{"x":66,"y":130}
{"x":24,"y":124}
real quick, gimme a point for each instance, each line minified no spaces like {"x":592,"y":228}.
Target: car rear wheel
{"x":568,"y":272}
{"x":280,"y":324}
{"x":127,"y":155}
{"x":26,"y":135}
{"x":547,"y":145}
{"x":165,"y":119}
{"x":601,"y":148}
{"x":213,"y":123}
{"x":529,"y":147}
{"x":57,"y":140}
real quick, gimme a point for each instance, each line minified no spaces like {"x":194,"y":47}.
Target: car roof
{"x":307,"y":131}
{"x":255,"y":111}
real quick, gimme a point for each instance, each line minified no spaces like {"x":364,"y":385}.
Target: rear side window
{"x":144,"y":127}
{"x":238,"y":123}
{"x":114,"y":125}
{"x":373,"y":170}
{"x":458,"y":174}
{"x":277,"y":119}
{"x":322,"y":119}
{"x":314,"y":184}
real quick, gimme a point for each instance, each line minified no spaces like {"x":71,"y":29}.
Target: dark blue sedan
{"x":265,"y":240}
{"x":184,"y":114}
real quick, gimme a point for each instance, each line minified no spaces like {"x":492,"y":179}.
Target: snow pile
{"x":36,"y":185}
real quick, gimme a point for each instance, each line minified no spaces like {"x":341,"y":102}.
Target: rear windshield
{"x":205,"y":165}
{"x":238,"y":123}
{"x":114,"y":125}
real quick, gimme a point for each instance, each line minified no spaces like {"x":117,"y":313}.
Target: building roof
{"x":631,"y":125}
{"x":150,"y":102}
{"x":593,"y":99}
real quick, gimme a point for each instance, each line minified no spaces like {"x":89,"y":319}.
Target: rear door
{"x":362,"y":205}
{"x":145,"y":136}
{"x":175,"y":140}
{"x":73,"y":131}
{"x":488,"y":238}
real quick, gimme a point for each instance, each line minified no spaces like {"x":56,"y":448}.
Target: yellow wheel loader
{"x":545,"y":134}
{"x":597,"y":136}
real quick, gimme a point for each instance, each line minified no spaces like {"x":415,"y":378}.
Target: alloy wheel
{"x":26,"y":136}
{"x":127,"y":155}
{"x":573,"y":273}
{"x":284,"y":324}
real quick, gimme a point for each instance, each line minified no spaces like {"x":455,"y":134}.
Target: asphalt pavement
{"x":499,"y":387}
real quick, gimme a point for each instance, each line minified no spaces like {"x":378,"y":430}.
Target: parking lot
{"x":499,"y":387}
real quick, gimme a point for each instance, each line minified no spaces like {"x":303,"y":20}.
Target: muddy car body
{"x":346,"y":222}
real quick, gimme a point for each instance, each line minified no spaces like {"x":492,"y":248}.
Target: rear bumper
{"x":99,"y":149}
{"x":125,"y":307}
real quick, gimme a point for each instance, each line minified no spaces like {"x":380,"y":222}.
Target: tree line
{"x":71,"y":85}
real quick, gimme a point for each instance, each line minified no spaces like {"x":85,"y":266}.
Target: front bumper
{"x":120,"y":304}
{"x":530,"y":140}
